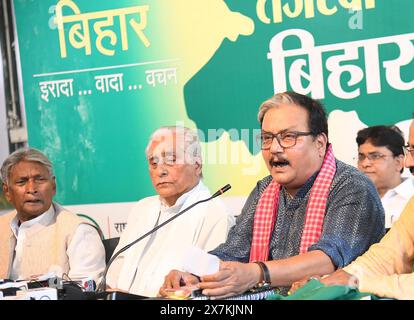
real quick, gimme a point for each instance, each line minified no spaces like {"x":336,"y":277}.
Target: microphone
{"x":220,"y":191}
{"x":102,"y":284}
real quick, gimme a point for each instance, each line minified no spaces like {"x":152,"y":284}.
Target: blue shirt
{"x":354,"y":220}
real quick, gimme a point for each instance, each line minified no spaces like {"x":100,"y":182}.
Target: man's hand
{"x":298,"y":284}
{"x":176,"y":279}
{"x":232,"y":278}
{"x":339,"y":277}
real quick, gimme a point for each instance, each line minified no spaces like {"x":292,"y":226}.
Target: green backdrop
{"x":97,"y":86}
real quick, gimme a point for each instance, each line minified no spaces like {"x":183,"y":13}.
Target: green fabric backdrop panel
{"x":99,"y":76}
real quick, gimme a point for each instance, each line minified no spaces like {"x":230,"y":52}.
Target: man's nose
{"x":275,"y":147}
{"x":31,"y":186}
{"x":162,"y":170}
{"x":365,"y":162}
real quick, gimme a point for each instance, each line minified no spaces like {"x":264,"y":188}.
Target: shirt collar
{"x":180,"y":201}
{"x":405,"y":189}
{"x":34,"y":223}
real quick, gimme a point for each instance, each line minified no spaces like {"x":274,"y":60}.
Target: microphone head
{"x":225,"y":188}
{"x":221,"y":191}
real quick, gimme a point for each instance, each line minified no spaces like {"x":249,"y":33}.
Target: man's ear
{"x":6,"y":192}
{"x":321,"y":141}
{"x":400,"y":162}
{"x":199,"y":167}
{"x":54,"y":185}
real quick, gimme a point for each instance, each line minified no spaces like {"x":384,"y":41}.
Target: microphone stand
{"x":102,"y":284}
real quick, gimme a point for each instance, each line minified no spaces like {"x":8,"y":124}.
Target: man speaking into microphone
{"x":175,"y":167}
{"x":311,"y":215}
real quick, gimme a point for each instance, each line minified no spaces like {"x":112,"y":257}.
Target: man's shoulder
{"x":64,"y":215}
{"x":405,"y":188}
{"x":410,"y":203}
{"x":146,"y":201}
{"x":143,"y":207}
{"x":349,"y":173}
{"x":213,"y":208}
{"x":70,"y":222}
{"x":344,"y":167}
{"x":262,"y":184}
{"x":350,"y":178}
{"x":217,"y":207}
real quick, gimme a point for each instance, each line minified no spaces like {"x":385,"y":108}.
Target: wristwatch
{"x":265,"y":275}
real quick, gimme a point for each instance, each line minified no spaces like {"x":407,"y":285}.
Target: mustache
{"x":281,"y":162}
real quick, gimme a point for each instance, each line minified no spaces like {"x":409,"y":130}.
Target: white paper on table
{"x":199,"y":262}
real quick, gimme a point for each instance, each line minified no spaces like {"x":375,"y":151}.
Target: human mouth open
{"x":279,"y":163}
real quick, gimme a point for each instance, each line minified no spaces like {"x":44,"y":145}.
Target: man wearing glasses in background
{"x":386,"y":269}
{"x":311,"y":215}
{"x":381,"y":158}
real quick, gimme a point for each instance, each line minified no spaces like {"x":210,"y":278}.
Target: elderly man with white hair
{"x":175,"y":167}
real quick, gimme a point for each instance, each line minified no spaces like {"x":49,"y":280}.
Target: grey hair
{"x":273,"y":102}
{"x":317,"y":118}
{"x":25,"y":154}
{"x":188,"y":137}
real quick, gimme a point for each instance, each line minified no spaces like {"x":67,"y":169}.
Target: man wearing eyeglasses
{"x":311,"y":215}
{"x":381,"y":158}
{"x":386,"y":269}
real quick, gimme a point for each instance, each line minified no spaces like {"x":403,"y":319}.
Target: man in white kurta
{"x":395,"y":200}
{"x":174,"y":157}
{"x":142,"y":268}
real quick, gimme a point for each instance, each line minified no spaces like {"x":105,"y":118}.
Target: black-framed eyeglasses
{"x":372,"y":156}
{"x":408,"y":150}
{"x":285,"y":139}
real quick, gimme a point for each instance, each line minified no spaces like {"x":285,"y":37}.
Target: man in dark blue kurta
{"x":313,"y":215}
{"x":353,"y":221}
